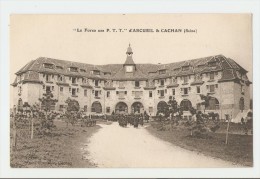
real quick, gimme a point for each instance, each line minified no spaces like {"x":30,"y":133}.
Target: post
{"x":32,"y":129}
{"x":227,"y":131}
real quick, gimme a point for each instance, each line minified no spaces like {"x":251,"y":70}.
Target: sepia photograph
{"x":131,"y":91}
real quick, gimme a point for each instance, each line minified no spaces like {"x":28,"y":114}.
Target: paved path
{"x":114,"y":146}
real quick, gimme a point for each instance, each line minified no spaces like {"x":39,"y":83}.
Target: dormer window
{"x":176,"y":69}
{"x":96,"y":72}
{"x":212,"y":64}
{"x":82,"y":70}
{"x":201,"y":66}
{"x":59,"y":67}
{"x":185,"y":68}
{"x":162,"y":72}
{"x":73,"y":69}
{"x":48,"y":65}
{"x":107,"y":73}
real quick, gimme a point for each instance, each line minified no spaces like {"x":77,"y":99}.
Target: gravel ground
{"x":114,"y":146}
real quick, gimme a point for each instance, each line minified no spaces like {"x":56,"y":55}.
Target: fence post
{"x":32,"y":129}
{"x":227,"y":131}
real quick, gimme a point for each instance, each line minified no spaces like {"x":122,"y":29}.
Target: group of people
{"x":131,"y":119}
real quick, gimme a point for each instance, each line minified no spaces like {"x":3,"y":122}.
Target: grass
{"x":64,"y":148}
{"x":239,"y":149}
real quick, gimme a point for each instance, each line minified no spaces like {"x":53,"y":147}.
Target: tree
{"x":72,"y":112}
{"x":205,"y":101}
{"x":175,"y":111}
{"x":46,"y":115}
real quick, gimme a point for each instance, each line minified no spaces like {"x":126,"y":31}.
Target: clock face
{"x":129,"y":68}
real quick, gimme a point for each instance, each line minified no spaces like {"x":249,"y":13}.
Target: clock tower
{"x":129,"y":64}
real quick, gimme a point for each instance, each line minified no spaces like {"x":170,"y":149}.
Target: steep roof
{"x":143,"y":71}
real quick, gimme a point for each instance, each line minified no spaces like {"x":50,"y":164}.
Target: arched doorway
{"x":242,"y":104}
{"x":96,"y":107}
{"x":137,"y":107}
{"x":121,"y":107}
{"x":213,"y":104}
{"x":186,"y":104}
{"x":161,"y":106}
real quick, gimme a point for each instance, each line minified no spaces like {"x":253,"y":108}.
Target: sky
{"x":54,"y":36}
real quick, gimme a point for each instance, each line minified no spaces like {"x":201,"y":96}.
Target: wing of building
{"x":135,"y":88}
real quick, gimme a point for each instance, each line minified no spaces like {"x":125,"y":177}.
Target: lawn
{"x":63,"y":148}
{"x":238,"y":151}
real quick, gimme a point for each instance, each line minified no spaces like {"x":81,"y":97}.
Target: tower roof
{"x":129,"y":50}
{"x":129,"y":61}
{"x":129,"y":58}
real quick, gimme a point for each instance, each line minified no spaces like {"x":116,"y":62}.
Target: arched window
{"x":96,"y":107}
{"x":137,"y":107}
{"x":121,"y":107}
{"x":213,"y":104}
{"x":161,"y":106}
{"x":186,"y":105}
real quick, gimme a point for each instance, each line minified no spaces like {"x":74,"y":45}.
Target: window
{"x":185,"y":68}
{"x":198,"y":89}
{"x":108,"y":109}
{"x":48,"y":89}
{"x":59,"y":67}
{"x":173,"y":92}
{"x":85,"y":92}
{"x":61,"y":89}
{"x":107,"y":73}
{"x":48,"y":65}
{"x":84,"y":81}
{"x":185,"y":79}
{"x":162,"y":71}
{"x":96,"y":82}
{"x":150,"y":94}
{"x":185,"y":90}
{"x":212,"y":88}
{"x":165,"y":91}
{"x":73,"y":69}
{"x":96,"y":93}
{"x":161,"y":93}
{"x":125,"y":92}
{"x":47,"y":77}
{"x":82,"y":70}
{"x":96,"y":72}
{"x":150,"y":110}
{"x":137,"y":84}
{"x":74,"y":80}
{"x":74,"y":91}
{"x":77,"y":90}
{"x":211,"y":76}
{"x":213,"y":104}
{"x":212,"y":64}
{"x":60,"y":78}
{"x":85,"y":108}
{"x":61,"y":107}
{"x":108,"y":94}
{"x":162,"y":82}
{"x":52,"y":88}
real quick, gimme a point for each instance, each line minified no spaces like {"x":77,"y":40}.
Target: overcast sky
{"x":33,"y":36}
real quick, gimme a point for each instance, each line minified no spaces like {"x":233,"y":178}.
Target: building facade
{"x":135,"y":88}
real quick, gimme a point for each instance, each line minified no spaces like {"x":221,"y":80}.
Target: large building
{"x":135,"y":88}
